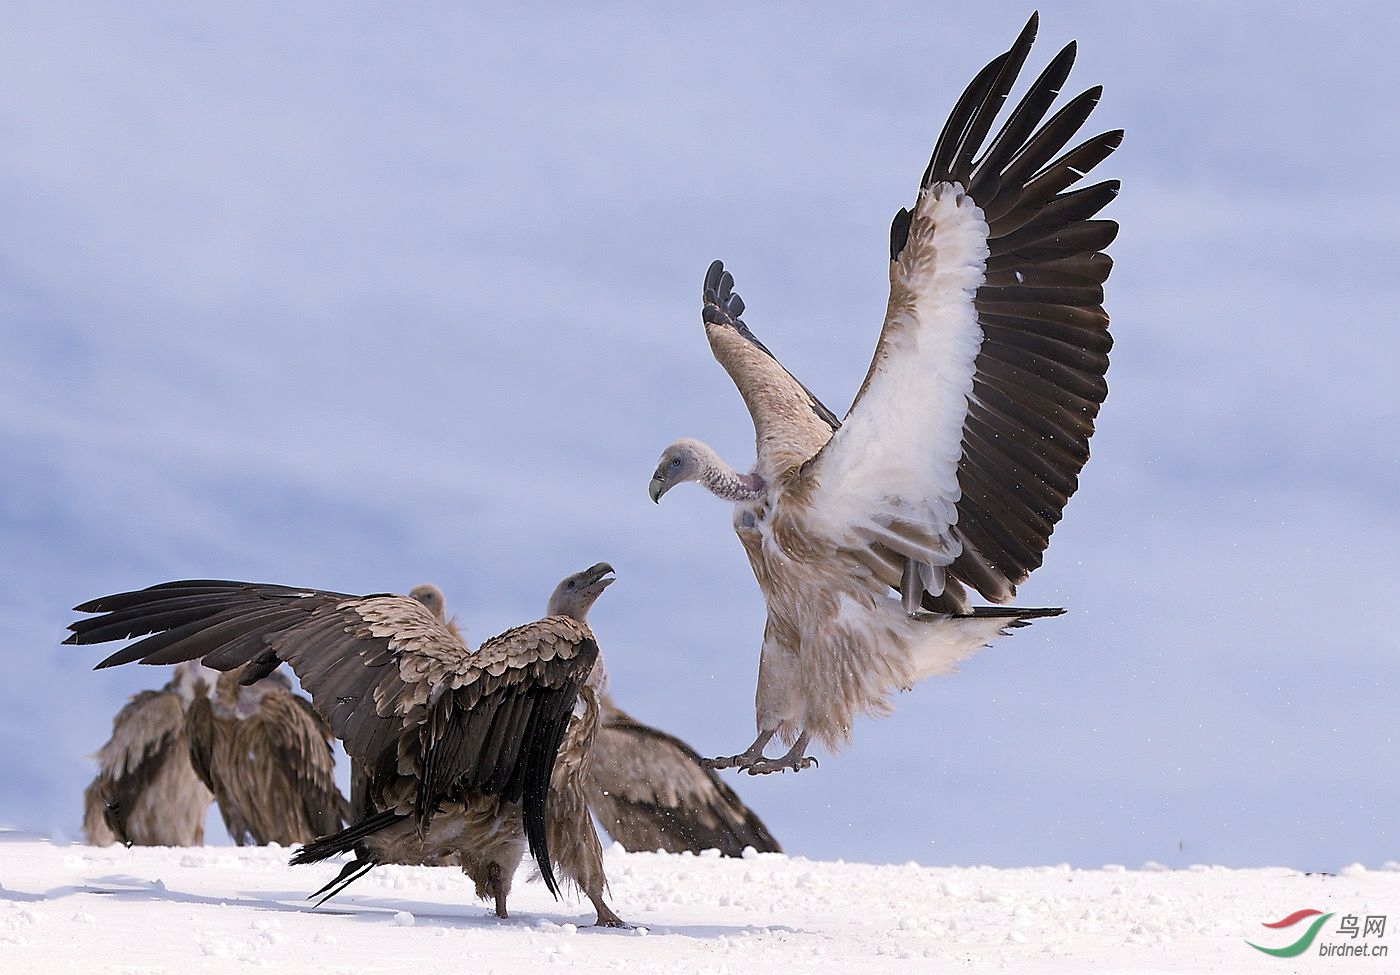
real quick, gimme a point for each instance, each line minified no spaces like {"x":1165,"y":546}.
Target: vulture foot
{"x":796,"y":763}
{"x":606,"y":917}
{"x":754,"y":753}
{"x":754,"y":762}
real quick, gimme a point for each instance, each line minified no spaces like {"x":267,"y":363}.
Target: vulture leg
{"x":794,"y":759}
{"x":498,"y":889}
{"x":751,"y":755}
{"x":606,"y":917}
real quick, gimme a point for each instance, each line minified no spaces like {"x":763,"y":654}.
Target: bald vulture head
{"x":684,"y":460}
{"x":691,"y":460}
{"x":430,"y":596}
{"x":575,"y":595}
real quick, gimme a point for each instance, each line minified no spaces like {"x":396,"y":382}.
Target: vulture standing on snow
{"x":146,"y":793}
{"x":964,"y":442}
{"x":459,"y":745}
{"x":649,"y":790}
{"x":266,"y":755}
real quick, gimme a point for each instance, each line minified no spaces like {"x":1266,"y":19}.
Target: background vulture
{"x":146,"y":793}
{"x":964,"y":442}
{"x":648,"y":789}
{"x":650,"y":792}
{"x":266,"y":755}
{"x":459,"y":745}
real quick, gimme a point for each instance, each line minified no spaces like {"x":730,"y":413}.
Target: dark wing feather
{"x":341,"y":658}
{"x":649,"y":791}
{"x":1040,"y":373}
{"x":199,"y":729}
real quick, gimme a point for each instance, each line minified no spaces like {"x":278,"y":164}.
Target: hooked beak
{"x":656,"y":488}
{"x":599,"y":575}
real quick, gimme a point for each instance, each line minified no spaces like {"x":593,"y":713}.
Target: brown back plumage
{"x":650,"y":792}
{"x":266,"y":755}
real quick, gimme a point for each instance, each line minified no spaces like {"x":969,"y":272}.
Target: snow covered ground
{"x":222,"y":909}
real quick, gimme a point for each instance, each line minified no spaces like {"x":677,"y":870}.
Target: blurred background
{"x":362,"y":298}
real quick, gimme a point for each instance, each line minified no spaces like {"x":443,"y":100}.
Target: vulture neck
{"x":727,"y":483}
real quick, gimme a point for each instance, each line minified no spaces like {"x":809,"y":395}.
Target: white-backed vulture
{"x":266,"y":755}
{"x":459,"y":745}
{"x":146,"y":793}
{"x":648,"y":789}
{"x":964,"y":442}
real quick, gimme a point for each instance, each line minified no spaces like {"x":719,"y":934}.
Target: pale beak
{"x":656,"y":489}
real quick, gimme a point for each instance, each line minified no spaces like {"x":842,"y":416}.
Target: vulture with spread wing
{"x":459,"y":745}
{"x":647,"y":788}
{"x":266,"y":755}
{"x":964,"y":442}
{"x":146,"y":793}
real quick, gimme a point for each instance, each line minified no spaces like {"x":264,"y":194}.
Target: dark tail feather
{"x":1015,"y":615}
{"x":346,"y":840}
{"x":349,"y":873}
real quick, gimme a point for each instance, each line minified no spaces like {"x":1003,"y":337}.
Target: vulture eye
{"x":571,"y":584}
{"x":675,"y":462}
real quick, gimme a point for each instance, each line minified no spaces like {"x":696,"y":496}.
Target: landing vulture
{"x":459,"y":745}
{"x":266,"y":755}
{"x":146,"y":793}
{"x":649,"y":790}
{"x":964,"y":442}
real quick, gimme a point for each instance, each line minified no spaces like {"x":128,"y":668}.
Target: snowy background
{"x":360,"y":298}
{"x":215,"y":911}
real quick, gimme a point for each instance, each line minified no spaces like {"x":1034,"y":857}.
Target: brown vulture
{"x":266,"y":755}
{"x":965,"y":441}
{"x":649,"y":790}
{"x":146,"y":793}
{"x":459,"y":745}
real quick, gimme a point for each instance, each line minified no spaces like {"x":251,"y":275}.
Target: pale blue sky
{"x":364,"y":299}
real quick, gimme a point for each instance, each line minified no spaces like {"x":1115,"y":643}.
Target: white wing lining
{"x":890,"y":474}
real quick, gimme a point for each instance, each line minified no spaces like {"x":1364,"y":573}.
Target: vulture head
{"x":684,"y":460}
{"x":431,"y":596}
{"x":574,"y":596}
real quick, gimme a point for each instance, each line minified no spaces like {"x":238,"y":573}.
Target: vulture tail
{"x":938,"y":649}
{"x":349,"y":873}
{"x":346,"y":840}
{"x":1014,"y":615}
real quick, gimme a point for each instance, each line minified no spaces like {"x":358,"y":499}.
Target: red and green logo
{"x":1304,"y":942}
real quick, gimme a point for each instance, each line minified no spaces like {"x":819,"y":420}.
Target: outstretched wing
{"x":790,"y":423}
{"x":395,"y":684}
{"x":649,"y":791}
{"x":970,"y":430}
